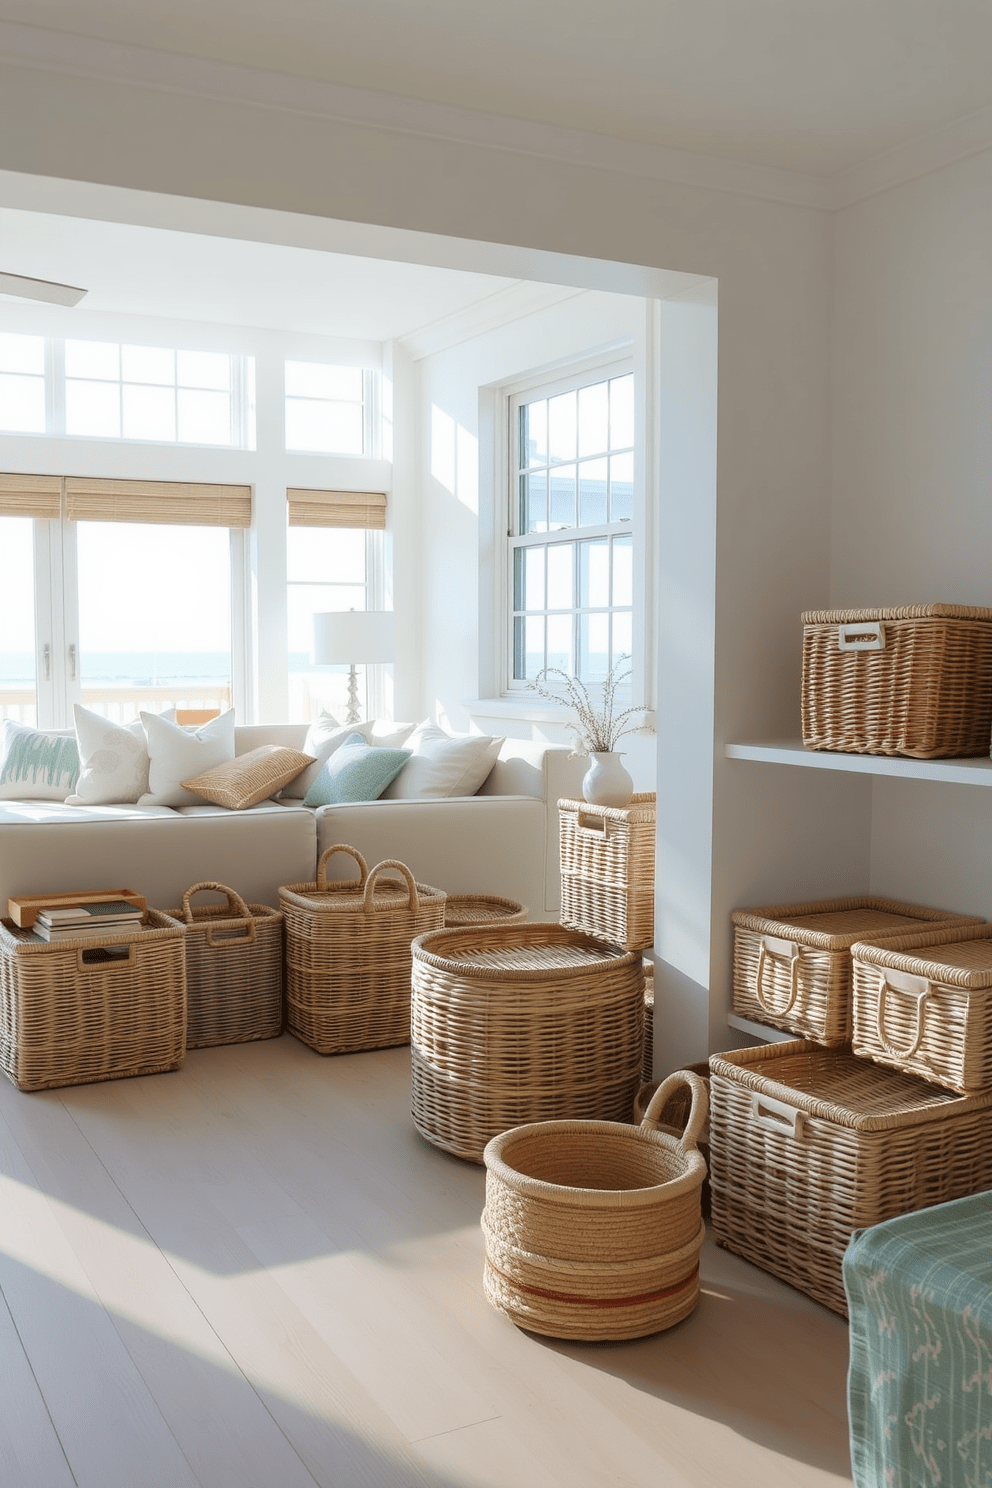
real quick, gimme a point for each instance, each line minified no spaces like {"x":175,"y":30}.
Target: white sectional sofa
{"x":503,"y":840}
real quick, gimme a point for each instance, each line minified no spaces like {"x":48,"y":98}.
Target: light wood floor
{"x":253,"y":1272}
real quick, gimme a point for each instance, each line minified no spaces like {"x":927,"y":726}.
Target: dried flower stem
{"x":597,"y":730}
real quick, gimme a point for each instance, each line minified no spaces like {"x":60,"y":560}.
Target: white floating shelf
{"x":977,"y":771}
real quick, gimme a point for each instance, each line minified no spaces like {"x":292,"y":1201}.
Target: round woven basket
{"x":593,"y":1228}
{"x":481,"y":909}
{"x":517,"y":1022}
{"x":348,"y":957}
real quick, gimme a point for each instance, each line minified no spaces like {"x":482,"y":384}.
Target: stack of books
{"x":107,"y":917}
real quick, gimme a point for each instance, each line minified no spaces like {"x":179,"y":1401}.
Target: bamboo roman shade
{"x":31,"y":496}
{"x":186,"y":503}
{"x":336,"y":508}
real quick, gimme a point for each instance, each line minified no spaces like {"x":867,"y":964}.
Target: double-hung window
{"x":571,"y":530}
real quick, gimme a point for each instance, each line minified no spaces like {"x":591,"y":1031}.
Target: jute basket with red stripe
{"x":593,"y":1228}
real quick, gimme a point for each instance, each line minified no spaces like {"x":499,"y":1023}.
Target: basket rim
{"x":742,"y":1068}
{"x":694,"y":1165}
{"x":897,"y":612}
{"x":515,"y":933}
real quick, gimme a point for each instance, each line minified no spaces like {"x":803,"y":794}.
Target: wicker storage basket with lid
{"x":348,"y":954}
{"x":521,"y":1022}
{"x":809,"y":1144}
{"x":923,"y":1004}
{"x":606,"y":857}
{"x":916,"y":681}
{"x":76,"y":1011}
{"x":792,"y":962}
{"x":593,"y":1228}
{"x":234,"y":969}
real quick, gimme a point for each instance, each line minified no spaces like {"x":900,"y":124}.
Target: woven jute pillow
{"x":249,"y":778}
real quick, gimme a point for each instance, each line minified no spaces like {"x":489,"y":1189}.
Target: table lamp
{"x":355,"y":638}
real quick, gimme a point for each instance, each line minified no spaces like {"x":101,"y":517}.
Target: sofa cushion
{"x":113,"y":759}
{"x":36,"y":764}
{"x":356,"y":771}
{"x":250,"y":778}
{"x":443,"y":764}
{"x":176,"y":754}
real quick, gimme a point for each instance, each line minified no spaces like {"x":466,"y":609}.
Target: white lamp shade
{"x":353,"y":637}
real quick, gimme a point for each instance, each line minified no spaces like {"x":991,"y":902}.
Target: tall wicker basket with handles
{"x":593,"y":1228}
{"x":234,"y":969}
{"x":348,"y":956}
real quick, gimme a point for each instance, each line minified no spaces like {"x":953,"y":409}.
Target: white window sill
{"x":536,"y":710}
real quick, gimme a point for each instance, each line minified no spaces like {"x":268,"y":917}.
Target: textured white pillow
{"x":113,"y":759}
{"x":443,"y":764}
{"x":176,"y":754}
{"x":325,"y":735}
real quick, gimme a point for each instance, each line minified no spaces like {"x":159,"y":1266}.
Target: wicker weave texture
{"x":606,"y":856}
{"x":926,"y":692}
{"x":924,"y":1004}
{"x":69,"y":1017}
{"x":809,"y":1144}
{"x":792,"y":962}
{"x":519,"y":1023}
{"x":234,"y":969}
{"x":593,"y":1228}
{"x":348,"y":959}
{"x":481,"y":909}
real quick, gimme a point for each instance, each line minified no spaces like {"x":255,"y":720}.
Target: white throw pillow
{"x":176,"y":754}
{"x":443,"y":764}
{"x":36,"y":764}
{"x":113,"y":759}
{"x":325,"y":735}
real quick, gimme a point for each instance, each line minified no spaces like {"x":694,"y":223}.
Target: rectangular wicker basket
{"x":915,"y":680}
{"x":808,"y":1145}
{"x":606,"y":855}
{"x":77,"y":1011}
{"x":348,"y":956}
{"x":923,"y":1003}
{"x":792,"y":962}
{"x":234,"y":969}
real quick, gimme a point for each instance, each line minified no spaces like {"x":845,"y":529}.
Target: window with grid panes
{"x":571,"y":531}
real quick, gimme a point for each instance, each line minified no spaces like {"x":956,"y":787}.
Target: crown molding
{"x":137,"y":67}
{"x":61,"y":53}
{"x":930,"y":152}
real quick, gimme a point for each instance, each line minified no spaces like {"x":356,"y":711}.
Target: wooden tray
{"x":24,"y":910}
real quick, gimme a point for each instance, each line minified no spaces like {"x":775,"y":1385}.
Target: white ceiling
{"x":822,"y":88}
{"x":817,"y":86}
{"x":152,"y":271}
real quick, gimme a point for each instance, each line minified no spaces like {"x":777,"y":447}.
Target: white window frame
{"x":58,"y":684}
{"x":376,"y":702}
{"x":371,"y":421}
{"x":515,"y":695}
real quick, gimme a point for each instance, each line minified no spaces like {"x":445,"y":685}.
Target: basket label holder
{"x":862,"y":635}
{"x":776,"y":1116}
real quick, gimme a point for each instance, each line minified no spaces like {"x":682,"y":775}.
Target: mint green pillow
{"x":37,"y":764}
{"x":356,"y":771}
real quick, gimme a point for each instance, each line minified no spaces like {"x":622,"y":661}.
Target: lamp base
{"x":354,"y":715}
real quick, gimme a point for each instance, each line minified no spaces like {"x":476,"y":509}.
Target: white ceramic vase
{"x":607,"y":781}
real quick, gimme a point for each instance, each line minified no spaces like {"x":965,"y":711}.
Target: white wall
{"x":563,"y":221}
{"x":456,"y":657}
{"x":911,"y":507}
